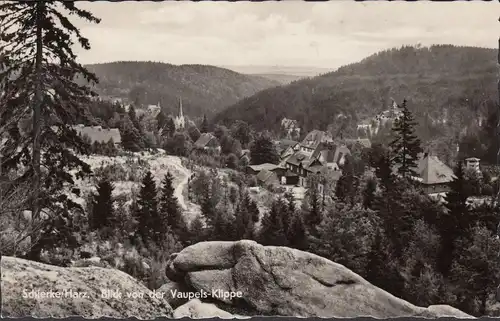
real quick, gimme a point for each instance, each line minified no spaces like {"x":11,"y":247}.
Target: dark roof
{"x":298,"y":158}
{"x":265,"y":175}
{"x":265,"y":166}
{"x":99,"y":134}
{"x":431,"y":170}
{"x":330,"y":152}
{"x":204,"y":139}
{"x":314,"y":137}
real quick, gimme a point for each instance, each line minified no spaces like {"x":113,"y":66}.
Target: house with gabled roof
{"x":432,"y":174}
{"x":267,"y":177}
{"x":313,"y":139}
{"x":99,"y":134}
{"x":207,"y":142}
{"x":327,"y":156}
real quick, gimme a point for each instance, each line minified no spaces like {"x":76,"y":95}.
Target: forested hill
{"x":204,"y":89}
{"x":443,"y":82}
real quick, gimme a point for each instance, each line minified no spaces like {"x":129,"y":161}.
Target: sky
{"x":288,"y":33}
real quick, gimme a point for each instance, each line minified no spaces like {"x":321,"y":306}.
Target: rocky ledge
{"x":40,"y":290}
{"x":269,"y":280}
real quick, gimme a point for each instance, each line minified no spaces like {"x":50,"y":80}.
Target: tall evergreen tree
{"x":102,"y":207}
{"x":406,"y":145}
{"x":38,"y":83}
{"x":169,"y":128}
{"x":272,"y":232}
{"x":456,"y":220}
{"x":147,"y":216}
{"x":204,"y":128}
{"x":161,"y":120}
{"x":169,"y":209}
{"x":131,"y":137}
{"x":297,"y":233}
{"x":262,"y":150}
{"x":369,"y":193}
{"x":133,"y":117}
{"x":344,"y":190}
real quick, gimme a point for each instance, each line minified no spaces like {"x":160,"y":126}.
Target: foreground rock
{"x":195,"y":309}
{"x":287,"y":282}
{"x":79,"y":291}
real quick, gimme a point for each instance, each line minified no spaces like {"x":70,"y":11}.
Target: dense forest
{"x":204,"y":89}
{"x":449,"y":89}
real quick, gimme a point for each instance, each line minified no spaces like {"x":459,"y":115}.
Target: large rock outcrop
{"x":288,"y":282}
{"x":73,"y":292}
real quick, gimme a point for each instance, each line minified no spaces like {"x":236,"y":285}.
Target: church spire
{"x":180,"y":108}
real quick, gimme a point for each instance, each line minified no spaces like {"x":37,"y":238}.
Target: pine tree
{"x":314,"y":216}
{"x":263,"y":151}
{"x":243,"y":223}
{"x":161,"y":120}
{"x":406,"y":146}
{"x":383,"y":171}
{"x":197,"y":230}
{"x":289,"y":213}
{"x":133,"y":117}
{"x":369,"y":193}
{"x":39,"y":72}
{"x":456,"y":220}
{"x":169,"y":209}
{"x":147,"y":213}
{"x":297,"y":233}
{"x":102,"y":207}
{"x":272,"y":232}
{"x":169,"y":128}
{"x":131,"y":137}
{"x":204,"y":128}
{"x":344,"y":190}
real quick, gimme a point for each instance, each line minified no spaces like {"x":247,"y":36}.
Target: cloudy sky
{"x":291,"y":33}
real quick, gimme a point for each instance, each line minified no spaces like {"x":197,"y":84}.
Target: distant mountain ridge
{"x":203,"y":88}
{"x":281,"y":78}
{"x":297,"y":71}
{"x":449,"y":88}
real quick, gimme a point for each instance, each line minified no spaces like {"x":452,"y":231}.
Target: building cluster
{"x":371,"y":126}
{"x":320,"y":153}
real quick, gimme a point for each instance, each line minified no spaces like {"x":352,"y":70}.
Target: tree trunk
{"x":37,"y":126}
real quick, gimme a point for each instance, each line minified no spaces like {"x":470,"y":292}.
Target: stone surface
{"x":289,"y":282}
{"x":195,"y":309}
{"x":169,"y":288}
{"x":22,"y":276}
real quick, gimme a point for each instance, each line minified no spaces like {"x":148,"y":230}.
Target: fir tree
{"x":272,"y":232}
{"x":131,"y":137}
{"x":169,"y":210}
{"x":132,"y":115}
{"x":243,"y":223}
{"x":161,"y":120}
{"x":263,"y":151}
{"x":197,"y":230}
{"x":102,"y":207}
{"x":169,"y":128}
{"x":204,"y":128}
{"x":456,"y":220}
{"x":314,"y":216}
{"x":149,"y":225}
{"x":369,"y":193}
{"x":344,"y":190}
{"x":406,"y":145}
{"x":297,"y":233}
{"x":38,"y":73}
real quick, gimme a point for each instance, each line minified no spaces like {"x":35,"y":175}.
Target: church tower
{"x":179,"y":119}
